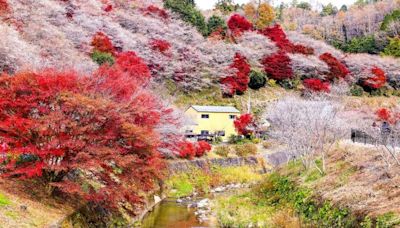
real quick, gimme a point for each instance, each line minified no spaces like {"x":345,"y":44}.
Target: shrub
{"x":190,"y":150}
{"x":316,"y":85}
{"x":102,"y":57}
{"x":202,"y":147}
{"x":336,"y":68}
{"x":245,"y":149}
{"x":239,"y":24}
{"x":160,"y":45}
{"x":101,"y":43}
{"x":288,"y":83}
{"x":154,"y":10}
{"x":272,"y":83}
{"x":257,"y":79}
{"x":376,"y":81}
{"x":187,"y":150}
{"x":244,"y":124}
{"x":361,"y":45}
{"x":383,"y":114}
{"x":238,"y":82}
{"x":216,"y":23}
{"x":222,"y":151}
{"x":188,"y":13}
{"x":71,"y":126}
{"x":278,"y":66}
{"x":356,"y":91}
{"x":393,"y":49}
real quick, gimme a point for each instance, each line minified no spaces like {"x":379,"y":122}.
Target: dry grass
{"x":358,"y":178}
{"x":28,"y":206}
{"x":372,"y":103}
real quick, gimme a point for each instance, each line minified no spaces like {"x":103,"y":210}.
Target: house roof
{"x":220,"y":109}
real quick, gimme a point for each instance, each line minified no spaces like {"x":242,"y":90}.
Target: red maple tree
{"x":160,"y":45}
{"x":189,"y":150}
{"x":316,"y":85}
{"x":336,"y":68}
{"x":277,"y":35}
{"x":72,"y":131}
{"x":238,"y":82}
{"x":154,"y":10}
{"x":4,"y":7}
{"x":244,"y":124}
{"x":377,"y":80}
{"x":238,"y":24}
{"x":278,"y":66}
{"x":102,"y":43}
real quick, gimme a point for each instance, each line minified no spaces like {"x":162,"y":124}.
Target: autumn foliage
{"x":154,"y":10}
{"x":244,"y":124}
{"x":239,"y":24}
{"x":336,"y":68}
{"x":102,"y":43}
{"x":384,"y":114}
{"x":160,"y":45}
{"x":376,"y":80}
{"x":189,"y":150}
{"x":278,"y":66}
{"x":239,"y":80}
{"x":4,"y":7}
{"x":73,"y":131}
{"x":108,"y":8}
{"x":316,"y":85}
{"x":277,"y":35}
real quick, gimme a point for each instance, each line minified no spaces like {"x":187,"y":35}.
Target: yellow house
{"x":212,"y":120}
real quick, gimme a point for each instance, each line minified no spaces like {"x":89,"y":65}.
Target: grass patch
{"x":279,"y":195}
{"x":4,"y":201}
{"x":11,"y":214}
{"x":184,"y":184}
{"x":242,"y":210}
{"x":243,"y":175}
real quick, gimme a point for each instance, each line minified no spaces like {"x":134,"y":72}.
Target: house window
{"x":204,"y":132}
{"x":205,"y":116}
{"x":232,"y":117}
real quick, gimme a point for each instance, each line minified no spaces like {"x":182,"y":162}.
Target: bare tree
{"x":308,"y":127}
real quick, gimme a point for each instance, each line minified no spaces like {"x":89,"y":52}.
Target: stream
{"x":170,"y":214}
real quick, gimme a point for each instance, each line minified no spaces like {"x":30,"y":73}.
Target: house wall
{"x":216,"y":122}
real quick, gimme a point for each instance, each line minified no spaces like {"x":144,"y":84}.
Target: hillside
{"x":61,"y":36}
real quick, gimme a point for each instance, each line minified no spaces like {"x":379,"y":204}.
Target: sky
{"x":209,"y":4}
